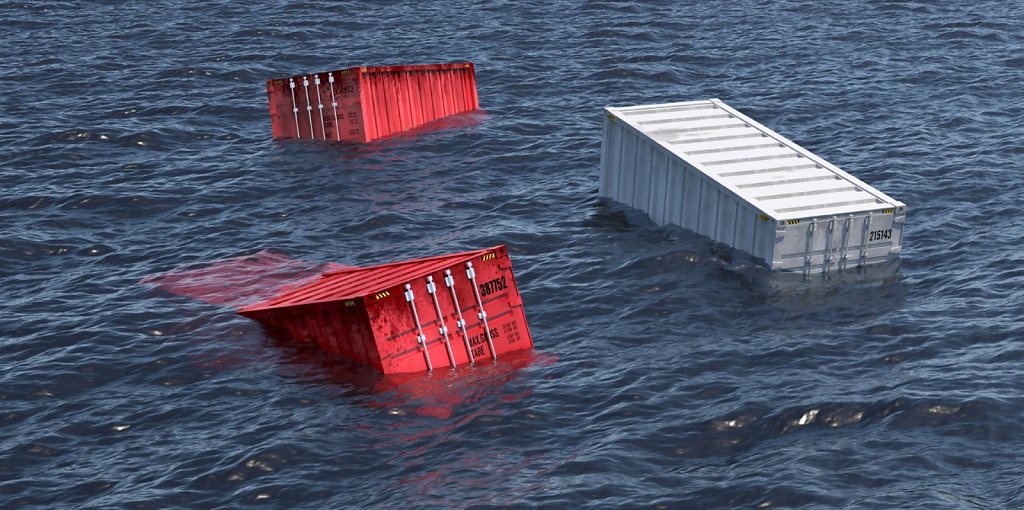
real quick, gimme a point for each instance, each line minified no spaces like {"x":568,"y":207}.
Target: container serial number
{"x":879,"y":235}
{"x":495,"y":285}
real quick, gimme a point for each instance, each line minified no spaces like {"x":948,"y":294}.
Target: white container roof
{"x":759,"y":165}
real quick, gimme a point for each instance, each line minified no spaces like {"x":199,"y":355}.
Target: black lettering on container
{"x":880,"y":235}
{"x":490,"y":287}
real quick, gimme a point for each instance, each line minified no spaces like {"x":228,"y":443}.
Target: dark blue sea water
{"x":135,"y":142}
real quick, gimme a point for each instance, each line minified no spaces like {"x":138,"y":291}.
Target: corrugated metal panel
{"x":356,"y":282}
{"x":408,"y":316}
{"x":366,"y":103}
{"x":707,"y":167}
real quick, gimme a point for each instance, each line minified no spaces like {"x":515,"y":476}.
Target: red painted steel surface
{"x":361,"y":104}
{"x":363,"y":312}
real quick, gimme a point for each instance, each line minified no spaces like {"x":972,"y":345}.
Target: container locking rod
{"x":461,"y":323}
{"x":482,"y":313}
{"x":807,"y":250}
{"x":845,"y":244}
{"x":320,"y":106}
{"x":432,"y":290}
{"x":829,"y":235}
{"x":334,"y":106}
{"x":295,"y":108}
{"x":309,"y":107}
{"x":864,"y":239}
{"x":420,"y":338}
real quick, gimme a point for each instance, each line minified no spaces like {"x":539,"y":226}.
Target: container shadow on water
{"x":841,"y":296}
{"x":414,"y":419}
{"x":406,"y":418}
{"x":466,"y":121}
{"x":239,"y":281}
{"x":440,"y":395}
{"x":878,"y":287}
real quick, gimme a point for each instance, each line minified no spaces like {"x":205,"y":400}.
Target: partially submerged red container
{"x":410,"y":316}
{"x":361,"y":104}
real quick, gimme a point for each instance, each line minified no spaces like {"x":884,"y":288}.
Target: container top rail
{"x":755,"y":163}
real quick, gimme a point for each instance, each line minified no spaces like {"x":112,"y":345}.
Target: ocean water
{"x":142,"y":199}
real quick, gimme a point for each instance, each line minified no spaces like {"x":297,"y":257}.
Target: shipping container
{"x":361,"y":104}
{"x":706,"y":167}
{"x":409,"y":316}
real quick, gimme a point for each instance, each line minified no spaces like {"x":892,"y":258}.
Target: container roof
{"x":351,"y":283}
{"x":386,"y":69}
{"x":759,"y":165}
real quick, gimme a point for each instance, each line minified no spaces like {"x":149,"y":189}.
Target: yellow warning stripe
{"x":793,"y":222}
{"x":888,"y":211}
{"x":764,"y":217}
{"x":382,"y":295}
{"x":488,"y":256}
{"x":350,"y":303}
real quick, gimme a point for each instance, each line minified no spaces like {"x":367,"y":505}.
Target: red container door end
{"x":317,"y":107}
{"x":439,"y":312}
{"x":366,"y":103}
{"x":489,"y":312}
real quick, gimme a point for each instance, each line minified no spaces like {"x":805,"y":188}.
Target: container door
{"x":838,"y":243}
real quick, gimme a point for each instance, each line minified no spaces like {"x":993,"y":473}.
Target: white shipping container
{"x":706,"y":167}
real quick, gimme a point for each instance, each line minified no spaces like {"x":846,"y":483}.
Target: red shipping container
{"x":409,"y":316}
{"x":361,"y":104}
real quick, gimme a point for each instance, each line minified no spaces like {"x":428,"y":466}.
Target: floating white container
{"x":706,"y":167}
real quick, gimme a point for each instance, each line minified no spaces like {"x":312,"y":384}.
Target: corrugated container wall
{"x":361,"y":104}
{"x":706,"y":167}
{"x":409,"y":316}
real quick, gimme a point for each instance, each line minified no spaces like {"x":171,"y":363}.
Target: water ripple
{"x":143,"y":199}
